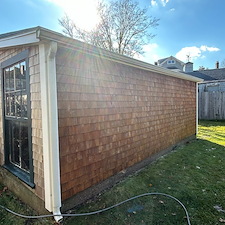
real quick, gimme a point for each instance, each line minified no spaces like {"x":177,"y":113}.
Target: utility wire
{"x":101,"y":210}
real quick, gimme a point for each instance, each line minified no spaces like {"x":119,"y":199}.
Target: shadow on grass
{"x":212,"y":123}
{"x":193,"y":173}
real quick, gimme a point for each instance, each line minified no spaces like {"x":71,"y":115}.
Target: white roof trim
{"x":20,"y":39}
{"x":86,"y":48}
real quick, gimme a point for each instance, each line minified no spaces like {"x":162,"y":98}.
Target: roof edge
{"x":172,"y":57}
{"x":39,"y":34}
{"x":112,"y":56}
{"x":17,"y":38}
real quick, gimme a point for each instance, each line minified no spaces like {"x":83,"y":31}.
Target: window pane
{"x":17,"y":76}
{"x":7,"y":104}
{"x":15,"y":143}
{"x":24,"y":146}
{"x":18,"y":104}
{"x":18,"y":142}
{"x":11,"y":77}
{"x":23,"y":75}
{"x":12,"y":105}
{"x":24,"y":105}
{"x":6,"y":80}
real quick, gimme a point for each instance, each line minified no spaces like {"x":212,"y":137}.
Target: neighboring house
{"x":211,"y":93}
{"x":210,"y":74}
{"x":74,"y":116}
{"x":175,"y":64}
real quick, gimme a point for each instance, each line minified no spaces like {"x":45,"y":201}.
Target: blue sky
{"x":186,"y":27}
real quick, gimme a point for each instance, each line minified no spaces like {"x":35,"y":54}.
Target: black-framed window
{"x":17,"y":118}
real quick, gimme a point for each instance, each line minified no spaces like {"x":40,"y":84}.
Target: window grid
{"x":16,"y":115}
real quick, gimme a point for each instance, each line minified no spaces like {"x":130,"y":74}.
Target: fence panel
{"x":211,"y":105}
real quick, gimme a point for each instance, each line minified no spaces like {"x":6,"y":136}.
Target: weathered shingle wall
{"x":36,"y":117}
{"x":37,"y":144}
{"x":112,"y":116}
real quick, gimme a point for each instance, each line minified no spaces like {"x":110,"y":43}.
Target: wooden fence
{"x":211,"y":105}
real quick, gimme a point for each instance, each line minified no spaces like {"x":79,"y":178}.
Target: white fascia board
{"x":21,"y":39}
{"x":161,"y":70}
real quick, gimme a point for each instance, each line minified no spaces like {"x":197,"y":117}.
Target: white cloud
{"x":172,"y":9}
{"x":154,"y":3}
{"x":194,"y":52}
{"x":151,"y":54}
{"x":164,"y":2}
{"x":150,"y":47}
{"x":210,"y":49}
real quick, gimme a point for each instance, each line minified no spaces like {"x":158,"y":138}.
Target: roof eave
{"x":20,"y":39}
{"x":84,"y":47}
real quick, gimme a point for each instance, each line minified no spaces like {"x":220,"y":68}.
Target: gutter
{"x":19,"y":39}
{"x":52,"y":185}
{"x":45,"y":34}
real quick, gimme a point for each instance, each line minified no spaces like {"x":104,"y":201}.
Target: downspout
{"x":50,"y":128}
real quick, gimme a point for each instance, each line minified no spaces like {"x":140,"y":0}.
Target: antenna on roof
{"x":188,"y":57}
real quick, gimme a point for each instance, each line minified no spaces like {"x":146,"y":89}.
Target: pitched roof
{"x":216,"y":74}
{"x":160,"y":61}
{"x":201,"y":75}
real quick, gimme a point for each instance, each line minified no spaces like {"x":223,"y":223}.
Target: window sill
{"x":22,"y":175}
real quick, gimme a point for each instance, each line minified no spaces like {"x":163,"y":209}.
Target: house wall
{"x":37,"y":144}
{"x":112,"y":116}
{"x":176,"y":65}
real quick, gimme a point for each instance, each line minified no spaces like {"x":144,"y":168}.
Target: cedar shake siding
{"x":36,"y":127}
{"x":75,"y":119}
{"x":112,"y":116}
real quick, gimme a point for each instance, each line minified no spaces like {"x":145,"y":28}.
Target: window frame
{"x":27,"y":177}
{"x":171,"y":61}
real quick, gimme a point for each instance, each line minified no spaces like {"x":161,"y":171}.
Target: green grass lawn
{"x":212,"y":131}
{"x":193,"y":173}
{"x":9,"y":200}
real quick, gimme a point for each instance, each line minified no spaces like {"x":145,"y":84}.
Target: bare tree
{"x":124,"y":28}
{"x":222,"y":64}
